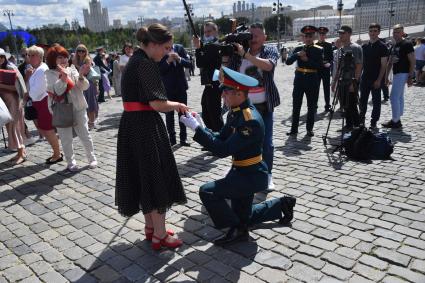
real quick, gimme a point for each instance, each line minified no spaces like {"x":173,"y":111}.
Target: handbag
{"x":30,"y":112}
{"x":63,"y":114}
{"x":5,"y":116}
{"x":94,"y":74}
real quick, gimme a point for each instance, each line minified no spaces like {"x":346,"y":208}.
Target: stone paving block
{"x":304,"y":273}
{"x":270,"y":275}
{"x":273,"y":260}
{"x":199,"y":273}
{"x":393,"y":279}
{"x":31,"y":279}
{"x":347,"y":252}
{"x":406,"y":274}
{"x":413,"y":252}
{"x":310,"y":250}
{"x":17,"y":272}
{"x":339,"y":260}
{"x":323,"y":244}
{"x":105,"y":274}
{"x":337,"y":272}
{"x":74,"y":253}
{"x":314,"y":262}
{"x":218,"y":267}
{"x":134,"y":272}
{"x":392,"y":256}
{"x":373,"y":262}
{"x":369,"y":272}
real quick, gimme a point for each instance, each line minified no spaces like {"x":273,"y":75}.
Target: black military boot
{"x":234,"y":235}
{"x":287,"y":205}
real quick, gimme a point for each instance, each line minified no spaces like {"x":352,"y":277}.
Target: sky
{"x":35,"y":13}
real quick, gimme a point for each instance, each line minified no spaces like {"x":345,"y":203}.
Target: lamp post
{"x":340,"y":7}
{"x":277,"y":7}
{"x":391,"y":13}
{"x":9,"y":14}
{"x":141,"y":19}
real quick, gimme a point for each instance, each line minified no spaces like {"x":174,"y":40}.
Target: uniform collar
{"x":242,"y":106}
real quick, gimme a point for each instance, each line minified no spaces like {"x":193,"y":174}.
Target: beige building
{"x":96,"y":18}
{"x":406,"y":12}
{"x":332,"y":23}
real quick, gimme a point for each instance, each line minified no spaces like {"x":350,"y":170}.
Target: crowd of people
{"x":152,"y":78}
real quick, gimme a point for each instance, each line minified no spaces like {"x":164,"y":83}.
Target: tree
{"x":270,"y":25}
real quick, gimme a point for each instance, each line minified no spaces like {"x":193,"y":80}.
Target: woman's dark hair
{"x":155,"y":33}
{"x":53,"y":53}
{"x":127,"y":44}
{"x":4,"y":65}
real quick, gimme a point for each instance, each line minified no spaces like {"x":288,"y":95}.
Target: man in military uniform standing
{"x":241,"y":137}
{"x":325,"y":71}
{"x":309,"y":59}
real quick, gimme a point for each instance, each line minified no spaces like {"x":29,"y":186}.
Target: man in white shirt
{"x":127,"y":52}
{"x":420,"y":60}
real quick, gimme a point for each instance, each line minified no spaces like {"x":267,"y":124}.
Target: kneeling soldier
{"x":242,"y":138}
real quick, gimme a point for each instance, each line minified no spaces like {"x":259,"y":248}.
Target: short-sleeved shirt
{"x":372,"y":54}
{"x":124,"y":60}
{"x":141,"y":80}
{"x":400,"y":51}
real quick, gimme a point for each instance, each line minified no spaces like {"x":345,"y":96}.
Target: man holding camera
{"x":208,"y":59}
{"x":259,"y":62}
{"x":375,"y":56}
{"x":309,"y":59}
{"x":325,"y":70}
{"x":349,"y":70}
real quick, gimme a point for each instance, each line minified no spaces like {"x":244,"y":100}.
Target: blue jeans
{"x":268,"y":147}
{"x":397,"y":95}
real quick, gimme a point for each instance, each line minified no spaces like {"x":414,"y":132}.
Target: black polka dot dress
{"x":147,"y":178}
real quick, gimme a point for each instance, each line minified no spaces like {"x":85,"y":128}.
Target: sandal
{"x":50,"y":161}
{"x":149,"y":233}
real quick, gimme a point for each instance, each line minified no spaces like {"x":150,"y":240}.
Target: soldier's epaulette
{"x":247,"y":114}
{"x":318,"y":46}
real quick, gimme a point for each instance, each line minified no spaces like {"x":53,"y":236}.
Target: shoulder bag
{"x":63,"y":113}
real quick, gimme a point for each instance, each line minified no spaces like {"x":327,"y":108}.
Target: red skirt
{"x":44,"y":118}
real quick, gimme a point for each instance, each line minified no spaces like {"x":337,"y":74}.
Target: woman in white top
{"x":63,"y":80}
{"x":37,"y":89}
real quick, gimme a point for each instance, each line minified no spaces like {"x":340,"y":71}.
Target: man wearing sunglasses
{"x":309,"y":59}
{"x":375,"y":56}
{"x":325,"y":71}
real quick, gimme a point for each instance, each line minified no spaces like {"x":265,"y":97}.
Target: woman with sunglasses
{"x":63,"y":80}
{"x":12,"y":95}
{"x":81,"y":58}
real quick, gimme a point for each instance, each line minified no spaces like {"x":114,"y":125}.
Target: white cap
{"x":3,"y":53}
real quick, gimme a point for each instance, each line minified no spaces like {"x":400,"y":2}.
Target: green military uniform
{"x":306,"y":81}
{"x":242,"y":138}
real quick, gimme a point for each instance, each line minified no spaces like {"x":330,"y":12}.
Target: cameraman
{"x":208,"y":59}
{"x":259,"y":62}
{"x":351,"y":59}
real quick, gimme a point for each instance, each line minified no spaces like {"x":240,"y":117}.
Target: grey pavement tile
{"x":392,"y":256}
{"x":17,"y":272}
{"x":304,"y":273}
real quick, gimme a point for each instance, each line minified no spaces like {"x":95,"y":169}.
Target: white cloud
{"x":35,"y":13}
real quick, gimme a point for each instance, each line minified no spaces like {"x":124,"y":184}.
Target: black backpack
{"x":363,"y":144}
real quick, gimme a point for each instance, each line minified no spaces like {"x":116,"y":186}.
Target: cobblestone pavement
{"x":354,"y":222}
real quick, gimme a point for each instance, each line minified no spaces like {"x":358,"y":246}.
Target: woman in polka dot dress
{"x":147,"y":178}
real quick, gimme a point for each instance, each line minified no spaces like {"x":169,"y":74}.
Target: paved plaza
{"x":354,"y":222}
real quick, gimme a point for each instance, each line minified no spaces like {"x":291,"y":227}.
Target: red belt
{"x":137,"y":106}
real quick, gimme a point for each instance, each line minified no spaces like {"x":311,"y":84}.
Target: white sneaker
{"x":72,"y":168}
{"x":271,"y":184}
{"x":30,"y":141}
{"x":93,"y":164}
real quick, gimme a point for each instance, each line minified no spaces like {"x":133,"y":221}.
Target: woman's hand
{"x":84,"y":70}
{"x":181,"y":108}
{"x":62,"y":73}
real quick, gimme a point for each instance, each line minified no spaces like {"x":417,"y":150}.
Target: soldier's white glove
{"x":199,"y":119}
{"x":327,"y":65}
{"x":189,"y":121}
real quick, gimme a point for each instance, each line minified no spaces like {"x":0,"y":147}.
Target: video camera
{"x":346,"y":66}
{"x":240,"y":35}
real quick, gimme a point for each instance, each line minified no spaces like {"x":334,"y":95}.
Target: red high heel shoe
{"x":148,"y":235}
{"x":163,"y":243}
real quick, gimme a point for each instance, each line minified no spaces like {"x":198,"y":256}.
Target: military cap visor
{"x":309,"y":29}
{"x":323,"y":30}
{"x":234,"y":80}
